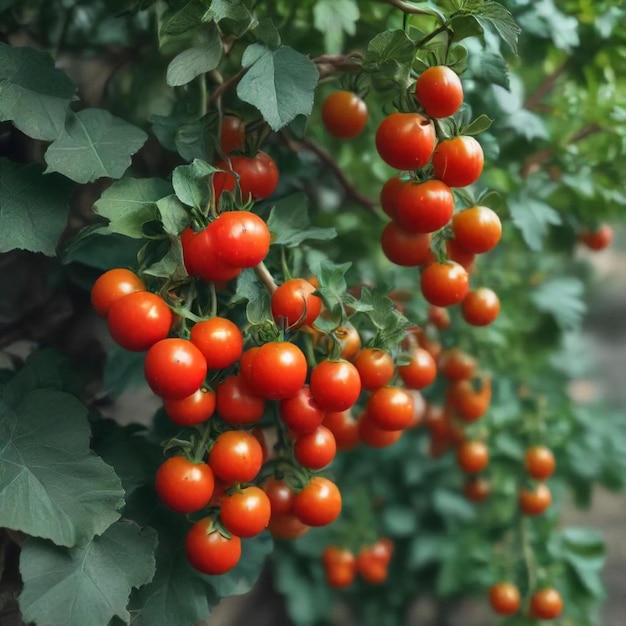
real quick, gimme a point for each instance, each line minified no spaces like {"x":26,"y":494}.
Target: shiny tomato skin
{"x":258,"y":176}
{"x":480,"y":307}
{"x":403,"y":247}
{"x":439,"y":90}
{"x":439,"y":317}
{"x":191,"y":410}
{"x":300,"y":412}
{"x":237,"y":404}
{"x":339,"y":566}
{"x":280,"y":495}
{"x":236,"y":456}
{"x":535,"y":502}
{"x":294,"y":304}
{"x":477,"y":229}
{"x":425,"y":207}
{"x":316,"y":449}
{"x":349,"y":340}
{"x":374,"y":436}
{"x":390,"y":408}
{"x":287,"y":527}
{"x":184,"y":486}
{"x":546,"y":604}
{"x":470,"y":402}
{"x":279,"y":370}
{"x":219,"y":340}
{"x":335,"y":385}
{"x":375,"y":368}
{"x":344,"y":427}
{"x":344,"y":114}
{"x":246,"y":362}
{"x":111,"y":286}
{"x":200,"y":256}
{"x":420,"y":371}
{"x":232,"y":134}
{"x":246,"y":513}
{"x":138,"y":320}
{"x":319,"y":503}
{"x":209,"y":551}
{"x":389,"y":195}
{"x":472,"y":456}
{"x":539,"y":462}
{"x":456,"y":253}
{"x":405,"y":140}
{"x":459,"y":161}
{"x":456,"y":364}
{"x":597,"y":239}
{"x":242,"y":238}
{"x":505,"y":598}
{"x":444,"y":284}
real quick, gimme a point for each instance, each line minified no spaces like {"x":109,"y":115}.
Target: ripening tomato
{"x":209,"y":551}
{"x":477,"y":489}
{"x":242,"y":238}
{"x":389,"y":195}
{"x":344,"y":427}
{"x":439,"y":90}
{"x":458,"y":162}
{"x":236,"y":456}
{"x":405,"y":140}
{"x":539,"y":462}
{"x":349,"y":341}
{"x":374,"y":436}
{"x":454,"y":252}
{"x":470,"y":402}
{"x":472,"y":456}
{"x":191,"y":410}
{"x":546,"y":604}
{"x":420,"y":371}
{"x":280,"y":495}
{"x":300,"y":412}
{"x":480,"y":307}
{"x":232,"y":134}
{"x":439,"y":317}
{"x":319,"y":503}
{"x":372,"y":564}
{"x":219,"y":340}
{"x":111,"y":286}
{"x":237,"y":404}
{"x":138,"y":320}
{"x":279,"y":370}
{"x":184,"y":486}
{"x":424,"y":207}
{"x":335,"y":385}
{"x":200,"y":256}
{"x":344,"y":114}
{"x":456,"y":364}
{"x":294,"y":305}
{"x":287,"y":527}
{"x":477,"y":229}
{"x":316,"y":449}
{"x":390,"y":408}
{"x":597,"y":239}
{"x":504,"y":598}
{"x":403,"y":247}
{"x":339,"y":566}
{"x":174,"y":368}
{"x":246,"y":512}
{"x":258,"y":176}
{"x":375,"y":368}
{"x":444,"y":284}
{"x":537,"y":501}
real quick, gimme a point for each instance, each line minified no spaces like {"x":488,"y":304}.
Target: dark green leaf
{"x":477,"y":126}
{"x":399,"y":521}
{"x":171,"y":266}
{"x":333,"y":18}
{"x":103,"y":252}
{"x":490,"y":67}
{"x":452,"y":506}
{"x":494,"y":15}
{"x":195,"y":61}
{"x":183,"y":17}
{"x":233,"y":16}
{"x":563,"y":298}
{"x":532,"y":217}
{"x":389,"y":58}
{"x":267,"y":33}
{"x":191,"y":183}
{"x":173,"y":214}
{"x":189,"y":135}
{"x":464,"y":26}
{"x":123,"y":370}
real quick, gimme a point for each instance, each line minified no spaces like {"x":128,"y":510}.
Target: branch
{"x":227,"y":84}
{"x":547,"y":85}
{"x":265,"y":277}
{"x":329,"y":64}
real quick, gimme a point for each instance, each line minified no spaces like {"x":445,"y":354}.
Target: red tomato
{"x":111,"y":286}
{"x":458,"y":162}
{"x":439,"y":316}
{"x":200,"y":256}
{"x":319,"y":503}
{"x":246,"y":513}
{"x":279,"y":370}
{"x":344,"y":114}
{"x":258,"y":176}
{"x":245,"y":364}
{"x":597,"y":239}
{"x":420,"y":371}
{"x":370,"y":566}
{"x":504,"y":598}
{"x":191,"y":410}
{"x":469,"y":403}
{"x":480,"y":307}
{"x":344,"y":427}
{"x":280,"y":495}
{"x":424,"y":207}
{"x":374,"y":436}
{"x":184,"y":486}
{"x":174,"y":368}
{"x":537,"y":501}
{"x":300,"y":412}
{"x":287,"y":527}
{"x":209,"y":551}
{"x":457,"y":365}
{"x":232,"y":134}
{"x":237,"y":404}
{"x":403,"y":247}
{"x":375,"y":368}
{"x":219,"y":340}
{"x":335,"y":385}
{"x":546,"y":604}
{"x":390,"y":408}
{"x":405,"y":140}
{"x":472,"y":456}
{"x":236,"y":457}
{"x":461,"y":256}
{"x":477,"y":229}
{"x":316,"y":449}
{"x":294,"y":304}
{"x":349,"y":340}
{"x":138,"y":320}
{"x":439,"y":90}
{"x":477,"y":489}
{"x":339,"y":565}
{"x":539,"y":462}
{"x":444,"y":284}
{"x":389,"y":195}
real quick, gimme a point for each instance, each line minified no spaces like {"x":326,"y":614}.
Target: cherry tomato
{"x":174,"y":368}
{"x":344,"y":427}
{"x":344,"y":114}
{"x":246,"y":513}
{"x":403,"y":247}
{"x":477,"y":489}
{"x":537,"y":501}
{"x":375,"y":368}
{"x":200,"y":256}
{"x":111,"y":286}
{"x":420,"y":371}
{"x":597,"y":239}
{"x":456,"y":364}
{"x":389,"y":195}
{"x":470,"y":403}
{"x":339,"y":565}
{"x":439,"y":90}
{"x":242,"y":238}
{"x":138,"y":320}
{"x":236,"y":456}
{"x":458,"y":162}
{"x":279,"y":370}
{"x":209,"y":551}
{"x":370,"y":566}
{"x":454,"y":252}
{"x":424,"y":207}
{"x":316,"y":449}
{"x":390,"y":408}
{"x":280,"y":495}
{"x":405,"y":140}
{"x":374,"y":436}
{"x":349,"y":340}
{"x":232,"y":134}
{"x":258,"y":176}
{"x":219,"y":340}
{"x":191,"y":410}
{"x":287,"y":527}
{"x":294,"y":304}
{"x":245,"y":364}
{"x":439,"y":317}
{"x":335,"y":385}
{"x":300,"y":412}
{"x":444,"y":284}
{"x":504,"y":598}
{"x":184,"y":486}
{"x":546,"y":604}
{"x":319,"y":503}
{"x":539,"y":462}
{"x":472,"y":456}
{"x":237,"y":404}
{"x":477,"y":229}
{"x":480,"y":307}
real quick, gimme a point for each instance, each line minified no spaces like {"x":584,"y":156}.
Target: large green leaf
{"x":494,"y":15}
{"x":191,"y":183}
{"x":333,"y":18}
{"x":533,"y":218}
{"x":280,"y":83}
{"x":195,"y":61}
{"x":86,"y":585}
{"x":33,"y":208}
{"x":182,"y":16}
{"x":94,"y":144}
{"x":33,"y":94}
{"x":563,"y":298}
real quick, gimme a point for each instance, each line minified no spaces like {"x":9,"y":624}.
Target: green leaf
{"x":290,"y":225}
{"x":33,"y":208}
{"x":122,"y":370}
{"x":89,"y":584}
{"x":490,"y":67}
{"x":191,"y":183}
{"x":173,"y":214}
{"x":189,"y":135}
{"x":547,"y":21}
{"x":496,"y":16}
{"x":182,"y":17}
{"x":464,"y":26}
{"x":399,"y":521}
{"x":103,"y":252}
{"x":51,"y":483}
{"x":389,"y":58}
{"x":532,"y":217}
{"x":477,"y":126}
{"x":333,"y":18}
{"x":233,"y":16}
{"x":452,"y":506}
{"x":195,"y":61}
{"x":33,"y":94}
{"x":279,"y":83}
{"x":130,"y":203}
{"x":563,"y":298}
{"x":94,"y":144}
{"x":267,"y":33}
{"x":170,"y":266}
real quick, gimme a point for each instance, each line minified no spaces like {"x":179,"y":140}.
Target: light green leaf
{"x":195,"y":61}
{"x":496,"y":16}
{"x":173,"y":214}
{"x":563,"y":298}
{"x":191,"y":183}
{"x":533,"y":218}
{"x":86,"y":585}
{"x":33,"y":208}
{"x":233,"y":16}
{"x":490,"y":67}
{"x":94,"y":144}
{"x":333,"y":18}
{"x":389,"y":58}
{"x":477,"y":126}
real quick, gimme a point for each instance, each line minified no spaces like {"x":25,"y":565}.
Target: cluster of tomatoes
{"x":545,"y":603}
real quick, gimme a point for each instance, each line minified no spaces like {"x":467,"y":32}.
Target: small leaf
{"x":122,"y":370}
{"x":563,"y":298}
{"x":191,"y":183}
{"x":532,"y":217}
{"x":490,"y":67}
{"x":399,"y":521}
{"x":477,"y":126}
{"x":267,"y":33}
{"x":233,"y":16}
{"x":195,"y":61}
{"x":186,"y":16}
{"x":496,"y":16}
{"x":389,"y":58}
{"x":333,"y":18}
{"x":452,"y":506}
{"x":89,"y":584}
{"x":280,"y":83}
{"x":173,"y":214}
{"x":189,"y":135}
{"x":171,"y":265}
{"x":94,"y":144}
